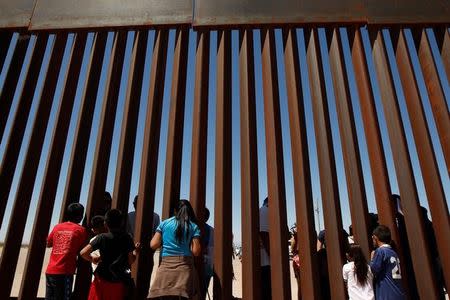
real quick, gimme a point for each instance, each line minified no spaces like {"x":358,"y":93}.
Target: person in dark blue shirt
{"x":385,"y":266}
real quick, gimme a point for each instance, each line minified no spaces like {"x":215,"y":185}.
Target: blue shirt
{"x":170,"y":245}
{"x":385,"y":267}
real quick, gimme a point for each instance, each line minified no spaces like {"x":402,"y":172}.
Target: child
{"x":385,"y":266}
{"x":117,"y":253}
{"x":98,"y":227}
{"x":66,"y":240}
{"x":357,"y":275}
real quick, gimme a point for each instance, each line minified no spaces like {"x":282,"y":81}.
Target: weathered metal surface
{"x":106,"y":127}
{"x":386,"y":208}
{"x":15,"y":14}
{"x":200,"y":124}
{"x":234,"y":12}
{"x":307,"y":237}
{"x":63,"y":14}
{"x":327,"y":168}
{"x":176,"y":124}
{"x":278,"y":235}
{"x":144,"y":212}
{"x":352,"y":158}
{"x":223,"y":196}
{"x":22,"y":199}
{"x":445,"y":52}
{"x":122,"y":183}
{"x":408,"y":11}
{"x":410,"y":202}
{"x":249,"y":170}
{"x":430,"y":174}
{"x":10,"y":84}
{"x":435,"y":94}
{"x":44,"y":210}
{"x":84,"y":124}
{"x":6,"y":98}
{"x":60,"y":137}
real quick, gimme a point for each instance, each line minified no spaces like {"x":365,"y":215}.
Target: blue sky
{"x":235,"y":129}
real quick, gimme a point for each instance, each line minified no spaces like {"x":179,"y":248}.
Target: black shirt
{"x":114,"y":248}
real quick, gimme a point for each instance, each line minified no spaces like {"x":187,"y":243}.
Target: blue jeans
{"x":58,"y":287}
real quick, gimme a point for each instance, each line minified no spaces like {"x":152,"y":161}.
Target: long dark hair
{"x":356,"y":255}
{"x":184,"y":214}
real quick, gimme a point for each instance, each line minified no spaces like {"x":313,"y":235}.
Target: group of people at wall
{"x":107,"y":243}
{"x":112,"y":251}
{"x":381,"y":277}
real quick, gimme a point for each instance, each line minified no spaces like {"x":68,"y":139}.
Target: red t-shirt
{"x":66,"y":240}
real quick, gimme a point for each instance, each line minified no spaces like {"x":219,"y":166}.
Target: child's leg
{"x":50,"y":286}
{"x":58,"y":287}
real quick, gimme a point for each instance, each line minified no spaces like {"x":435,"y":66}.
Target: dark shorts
{"x":266,"y":286}
{"x":58,"y":287}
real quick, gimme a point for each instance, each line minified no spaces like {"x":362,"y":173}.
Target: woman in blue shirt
{"x":179,"y":239}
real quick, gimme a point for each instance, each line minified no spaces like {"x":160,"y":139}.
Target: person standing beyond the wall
{"x":131,"y":220}
{"x":66,"y":239}
{"x":266,"y":286}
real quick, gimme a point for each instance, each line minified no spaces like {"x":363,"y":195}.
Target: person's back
{"x":66,"y":239}
{"x":357,"y":275}
{"x":170,"y":245}
{"x":179,"y":240}
{"x":385,"y":266}
{"x":117,"y":253}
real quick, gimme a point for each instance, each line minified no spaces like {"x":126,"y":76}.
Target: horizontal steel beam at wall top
{"x":65,"y":14}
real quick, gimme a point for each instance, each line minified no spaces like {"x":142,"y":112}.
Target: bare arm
{"x":155,"y":243}
{"x":196,"y":249}
{"x":86,"y":255}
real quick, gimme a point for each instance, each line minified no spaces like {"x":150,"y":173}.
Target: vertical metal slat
{"x":427,"y":159}
{"x":223,"y":179}
{"x":386,"y":208}
{"x":143,"y":266}
{"x":127,"y":142}
{"x":249,"y":171}
{"x":435,"y":94}
{"x":10,"y":84}
{"x":82,"y":132}
{"x":5,"y":40}
{"x":352,"y":157}
{"x":279,"y":262}
{"x":327,"y":168}
{"x":307,"y":237}
{"x":36,"y":251}
{"x":22,"y":199}
{"x":176,"y":124}
{"x":200,"y":137}
{"x":410,"y":202}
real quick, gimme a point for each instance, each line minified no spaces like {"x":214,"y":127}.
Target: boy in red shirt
{"x":66,"y":240}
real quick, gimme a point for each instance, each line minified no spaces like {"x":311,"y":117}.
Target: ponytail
{"x":184,"y":214}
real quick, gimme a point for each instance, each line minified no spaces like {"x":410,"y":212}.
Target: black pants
{"x":266,"y":286}
{"x":58,"y":287}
